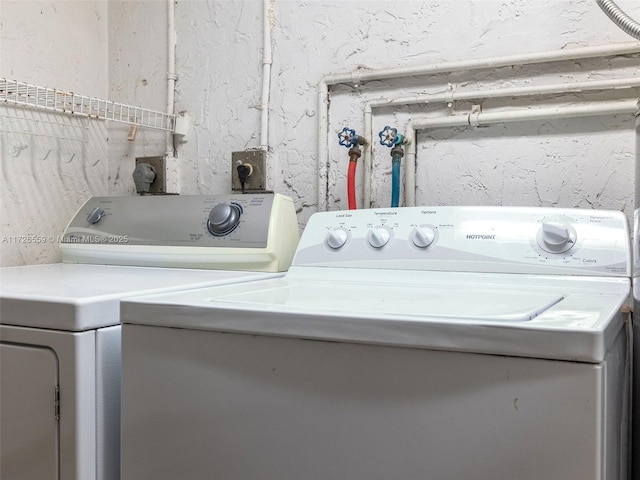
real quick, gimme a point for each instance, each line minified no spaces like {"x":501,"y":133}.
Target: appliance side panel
{"x":246,"y":406}
{"x":28,"y":413}
{"x":75,"y":352}
{"x":617,"y":420}
{"x":635,"y":403}
{"x":108,"y":366}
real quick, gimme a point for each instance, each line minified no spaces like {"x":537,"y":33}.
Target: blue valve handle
{"x":389,"y":137}
{"x":348,"y":137}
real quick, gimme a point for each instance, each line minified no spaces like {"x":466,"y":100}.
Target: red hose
{"x":351,"y":184}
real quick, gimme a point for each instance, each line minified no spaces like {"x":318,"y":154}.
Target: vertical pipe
{"x":367,"y":157}
{"x":266,"y":75}
{"x":171,"y":68}
{"x":323,"y":144}
{"x":411,"y":148}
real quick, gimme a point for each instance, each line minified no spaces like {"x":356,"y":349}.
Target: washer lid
{"x":573,"y":319}
{"x":480,"y":304}
{"x":80,"y":297}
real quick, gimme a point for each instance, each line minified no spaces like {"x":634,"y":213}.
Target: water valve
{"x":350,"y":139}
{"x":389,"y":137}
{"x":347,"y":137}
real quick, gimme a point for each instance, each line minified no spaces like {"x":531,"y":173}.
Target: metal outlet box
{"x":159,"y":185}
{"x":257,"y":182}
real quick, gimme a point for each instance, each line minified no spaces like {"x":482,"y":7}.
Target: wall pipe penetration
{"x":357,"y":77}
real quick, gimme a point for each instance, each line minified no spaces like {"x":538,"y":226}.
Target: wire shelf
{"x":51,"y":99}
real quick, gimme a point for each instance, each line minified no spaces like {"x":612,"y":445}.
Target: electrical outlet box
{"x":257,"y":181}
{"x":159,"y":185}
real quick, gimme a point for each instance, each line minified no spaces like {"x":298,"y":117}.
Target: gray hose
{"x":621,"y":19}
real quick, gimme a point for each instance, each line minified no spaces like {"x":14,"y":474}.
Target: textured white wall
{"x":50,"y":163}
{"x":137,"y":76}
{"x":582,"y":162}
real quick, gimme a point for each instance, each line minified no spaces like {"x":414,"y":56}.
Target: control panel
{"x":474,"y":239}
{"x":195,"y":231}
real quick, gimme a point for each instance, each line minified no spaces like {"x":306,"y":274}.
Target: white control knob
{"x":556,"y":237}
{"x":378,"y":237}
{"x":422,"y":237}
{"x":336,"y":238}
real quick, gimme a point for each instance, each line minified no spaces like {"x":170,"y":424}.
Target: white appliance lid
{"x":79,"y":297}
{"x":326,"y":297}
{"x":539,"y":316}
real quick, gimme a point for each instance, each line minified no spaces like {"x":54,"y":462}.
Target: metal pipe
{"x":627,"y":24}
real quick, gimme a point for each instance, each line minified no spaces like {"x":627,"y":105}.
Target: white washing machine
{"x":59,"y":324}
{"x":635,"y":404}
{"x":635,"y":409}
{"x":439,"y":343}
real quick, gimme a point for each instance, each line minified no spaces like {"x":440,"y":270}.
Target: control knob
{"x":378,"y":237}
{"x":336,"y":238}
{"x":556,"y":237}
{"x":224,"y":218}
{"x":96,"y":215}
{"x":423,"y":236}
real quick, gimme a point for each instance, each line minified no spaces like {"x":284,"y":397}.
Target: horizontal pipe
{"x":359,"y":76}
{"x":452,"y":96}
{"x":523,"y":114}
{"x":489,"y":118}
{"x":534,"y":90}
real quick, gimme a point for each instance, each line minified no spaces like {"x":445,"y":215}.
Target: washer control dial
{"x":224,"y":218}
{"x":556,"y":236}
{"x":422,"y":236}
{"x":96,"y":215}
{"x":336,"y":238}
{"x":378,"y":237}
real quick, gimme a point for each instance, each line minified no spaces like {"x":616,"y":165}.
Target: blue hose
{"x":395,"y":181}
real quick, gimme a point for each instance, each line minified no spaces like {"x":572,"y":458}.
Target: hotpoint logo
{"x":481,"y":237}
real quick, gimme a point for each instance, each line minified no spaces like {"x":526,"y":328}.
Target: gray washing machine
{"x":60,"y":323}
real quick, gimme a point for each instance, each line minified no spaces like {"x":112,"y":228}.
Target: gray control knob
{"x":224,"y":218}
{"x":378,"y":237}
{"x":96,"y":215}
{"x":423,"y":236}
{"x":556,"y":237}
{"x":336,"y":238}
